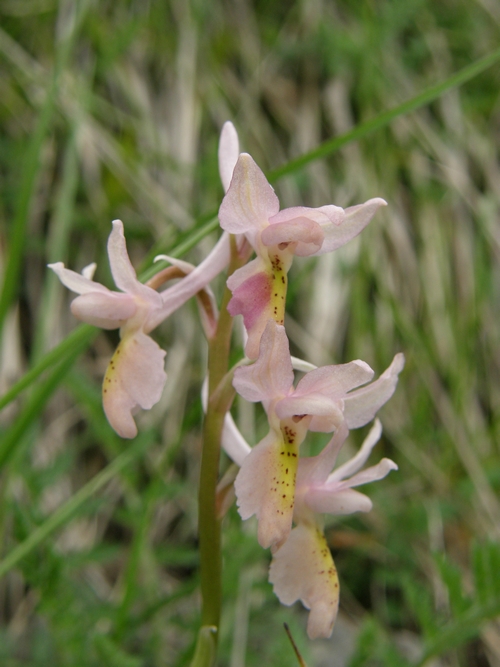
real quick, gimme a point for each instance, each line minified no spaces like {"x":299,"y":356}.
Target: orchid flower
{"x":135,"y":376}
{"x":302,"y":568}
{"x":322,"y":401}
{"x":251,"y":207}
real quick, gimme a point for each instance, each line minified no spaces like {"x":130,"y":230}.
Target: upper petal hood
{"x":336,"y":380}
{"x":306,"y":235}
{"x":250,"y":200}
{"x":320,"y":393}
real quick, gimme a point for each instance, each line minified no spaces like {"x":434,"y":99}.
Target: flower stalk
{"x":218,"y":404}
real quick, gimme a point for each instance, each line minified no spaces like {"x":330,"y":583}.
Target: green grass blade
{"x":30,"y":170}
{"x":34,"y":405}
{"x":79,"y":339}
{"x":385,"y":118}
{"x":67,"y":511}
{"x":57,"y":245}
{"x":32,"y":162}
{"x":328,"y":147}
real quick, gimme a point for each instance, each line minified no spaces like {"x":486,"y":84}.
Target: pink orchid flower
{"x":135,"y":376}
{"x":322,"y":401}
{"x":251,"y":207}
{"x":303,"y":568}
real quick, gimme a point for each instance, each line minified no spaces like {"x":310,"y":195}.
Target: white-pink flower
{"x":251,"y":207}
{"x":323,"y":400}
{"x":135,"y":376}
{"x":302,"y":568}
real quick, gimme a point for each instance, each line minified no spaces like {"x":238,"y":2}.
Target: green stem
{"x":209,"y":524}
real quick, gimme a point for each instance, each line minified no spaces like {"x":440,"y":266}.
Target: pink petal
{"x":329,"y":422}
{"x":358,"y":461}
{"x":252,"y":295}
{"x":265,"y":486}
{"x":135,"y":378}
{"x":122,"y":270}
{"x":248,"y":270}
{"x":250,"y":200}
{"x":77,"y":282}
{"x":251,"y":299}
{"x":332,"y":501}
{"x":361,"y":405}
{"x":372,"y":474}
{"x":335,"y":381}
{"x":303,"y":569}
{"x":208,"y":319}
{"x":314,"y":470}
{"x":328,"y":412}
{"x":322,"y":216}
{"x":355,"y":220}
{"x":174,"y":297}
{"x":306,"y":233}
{"x":229,"y":151}
{"x":271,"y":376}
{"x":321,"y":393}
{"x":106,"y":310}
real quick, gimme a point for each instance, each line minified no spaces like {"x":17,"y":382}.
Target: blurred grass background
{"x":113,"y":110}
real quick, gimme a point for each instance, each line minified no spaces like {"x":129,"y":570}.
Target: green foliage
{"x":442,"y":628}
{"x":113,"y":110}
